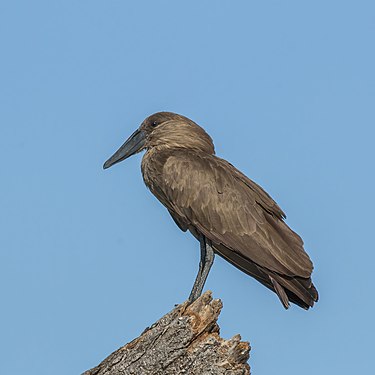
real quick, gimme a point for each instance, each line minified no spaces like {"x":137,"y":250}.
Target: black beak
{"x":135,"y":143}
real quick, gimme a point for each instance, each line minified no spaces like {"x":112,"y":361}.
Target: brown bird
{"x":227,"y":212}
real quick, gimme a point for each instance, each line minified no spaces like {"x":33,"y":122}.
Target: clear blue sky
{"x":286,"y":90}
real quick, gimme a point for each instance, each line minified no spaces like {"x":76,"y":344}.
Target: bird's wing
{"x":229,"y":209}
{"x":262,"y":197}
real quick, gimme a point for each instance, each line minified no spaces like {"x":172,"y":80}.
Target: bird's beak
{"x":133,"y":144}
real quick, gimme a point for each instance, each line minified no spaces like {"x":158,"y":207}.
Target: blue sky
{"x":89,"y":258}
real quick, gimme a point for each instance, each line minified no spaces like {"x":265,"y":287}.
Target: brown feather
{"x":209,"y":196}
{"x":233,"y":218}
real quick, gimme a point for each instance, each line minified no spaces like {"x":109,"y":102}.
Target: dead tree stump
{"x":184,"y":341}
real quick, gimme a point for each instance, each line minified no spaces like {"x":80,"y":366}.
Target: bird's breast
{"x":152,"y":168}
{"x":148,"y":169}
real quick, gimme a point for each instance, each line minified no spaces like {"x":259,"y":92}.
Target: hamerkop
{"x":226,"y":212}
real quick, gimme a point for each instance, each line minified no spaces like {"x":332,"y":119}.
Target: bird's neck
{"x":152,"y":164}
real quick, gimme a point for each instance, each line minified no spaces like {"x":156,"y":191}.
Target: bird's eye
{"x":155,"y":123}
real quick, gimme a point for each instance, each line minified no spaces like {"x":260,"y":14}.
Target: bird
{"x":228,"y":213}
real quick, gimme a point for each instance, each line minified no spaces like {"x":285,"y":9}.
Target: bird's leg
{"x":206,"y":261}
{"x":193,"y":294}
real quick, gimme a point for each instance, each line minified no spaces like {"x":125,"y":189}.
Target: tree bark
{"x":184,"y":341}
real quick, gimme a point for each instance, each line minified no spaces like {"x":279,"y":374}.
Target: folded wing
{"x":228,"y":208}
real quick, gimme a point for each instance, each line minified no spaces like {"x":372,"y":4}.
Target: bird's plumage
{"x":208,"y":196}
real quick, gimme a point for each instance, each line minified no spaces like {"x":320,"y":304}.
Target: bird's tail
{"x":298,"y":290}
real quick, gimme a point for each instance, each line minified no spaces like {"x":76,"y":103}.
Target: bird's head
{"x":164,"y":130}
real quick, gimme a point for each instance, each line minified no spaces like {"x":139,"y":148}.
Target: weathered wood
{"x":184,"y":341}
